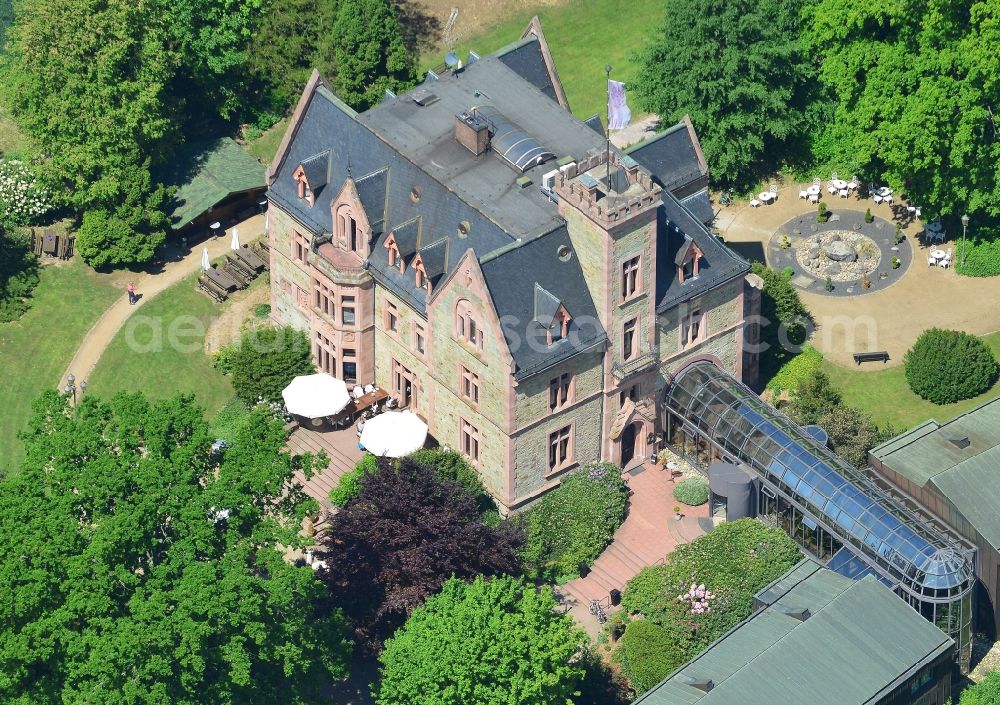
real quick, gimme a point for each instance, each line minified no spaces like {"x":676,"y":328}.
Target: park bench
{"x":238,"y":271}
{"x":881,"y":355}
{"x":212,"y":289}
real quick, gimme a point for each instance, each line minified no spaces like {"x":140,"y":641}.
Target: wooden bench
{"x":871,"y":356}
{"x":212,"y":289}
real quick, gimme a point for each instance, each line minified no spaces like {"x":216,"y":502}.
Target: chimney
{"x":472,"y":131}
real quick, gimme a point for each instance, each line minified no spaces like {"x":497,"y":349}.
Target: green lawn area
{"x":160,"y":351}
{"x":266,"y":146}
{"x":887,"y":397}
{"x":35,"y":349}
{"x":583,"y":37}
{"x":11,"y":137}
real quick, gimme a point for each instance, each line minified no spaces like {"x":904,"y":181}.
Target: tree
{"x":649,"y":652}
{"x":785,"y":320}
{"x":6,"y":19}
{"x":491,"y":642}
{"x":95,"y":104}
{"x":814,"y":398}
{"x":139,"y":568}
{"x":18,"y":273}
{"x":741,"y":72}
{"x":913,"y":97}
{"x":985,"y":692}
{"x":366,"y":47}
{"x":946,"y":366}
{"x":266,"y":360}
{"x":401,"y":537}
{"x":853,"y":433}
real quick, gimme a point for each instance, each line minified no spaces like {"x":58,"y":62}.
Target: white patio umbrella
{"x":314,"y":396}
{"x":206,"y":264}
{"x":235,"y":244}
{"x":394,"y":434}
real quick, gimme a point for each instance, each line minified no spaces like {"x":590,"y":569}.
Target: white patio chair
{"x":945,"y":262}
{"x":949,"y":253}
{"x":834,"y":176}
{"x":831,"y":189}
{"x":369,"y":388}
{"x":814,"y":198}
{"x":917,"y":213}
{"x":804,"y":194}
{"x":931,"y":261}
{"x":877,"y":198}
{"x":358,"y":392}
{"x":843,"y":193}
{"x":887,"y":199}
{"x":754,"y":203}
{"x":816,"y":181}
{"x":853,"y":183}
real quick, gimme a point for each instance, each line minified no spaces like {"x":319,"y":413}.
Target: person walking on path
{"x":131,"y":293}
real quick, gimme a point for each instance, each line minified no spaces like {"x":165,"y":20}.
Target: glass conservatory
{"x":834,"y":511}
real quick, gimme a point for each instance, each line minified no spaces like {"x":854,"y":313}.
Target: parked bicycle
{"x":598,"y":611}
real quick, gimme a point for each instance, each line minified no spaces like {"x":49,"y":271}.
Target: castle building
{"x":477,"y":251}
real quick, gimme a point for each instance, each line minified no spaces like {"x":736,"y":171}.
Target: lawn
{"x":266,"y":146}
{"x":887,"y":397}
{"x":35,"y":349}
{"x":583,"y":37}
{"x":12,"y":140}
{"x":160,"y":351}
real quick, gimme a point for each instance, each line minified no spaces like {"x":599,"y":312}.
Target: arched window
{"x":468,"y":324}
{"x":349,"y":235}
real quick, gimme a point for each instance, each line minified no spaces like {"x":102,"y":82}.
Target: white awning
{"x":394,"y":434}
{"x":314,"y":396}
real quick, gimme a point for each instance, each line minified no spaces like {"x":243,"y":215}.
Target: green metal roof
{"x":859,"y":642}
{"x":968,"y":477}
{"x":205,"y":173}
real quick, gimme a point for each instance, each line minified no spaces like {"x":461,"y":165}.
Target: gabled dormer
{"x":402,"y":243}
{"x":311,"y":176}
{"x":430,"y":264}
{"x":688,"y":260}
{"x":551,"y":314}
{"x":350,"y":225}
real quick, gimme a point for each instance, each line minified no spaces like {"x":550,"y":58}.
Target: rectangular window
{"x":419,"y":342}
{"x":630,"y":277}
{"x":469,"y":385}
{"x":469,"y":329}
{"x":629,"y":339}
{"x":403,"y":385}
{"x":347,"y":310}
{"x":326,"y":354}
{"x":468,"y":440}
{"x":631,"y":393}
{"x":391,"y":317}
{"x":323,"y":299}
{"x":300,"y":247}
{"x":350,"y":366}
{"x":694,"y":327}
{"x":560,"y":448}
{"x":559,"y":391}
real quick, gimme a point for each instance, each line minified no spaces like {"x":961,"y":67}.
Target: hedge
{"x":797,"y":369}
{"x":648,"y":653}
{"x":692,"y":491}
{"x":573,"y":523}
{"x":982,"y":258}
{"x":350,"y":482}
{"x":946,"y":366}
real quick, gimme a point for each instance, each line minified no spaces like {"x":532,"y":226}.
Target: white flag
{"x":618,"y":110}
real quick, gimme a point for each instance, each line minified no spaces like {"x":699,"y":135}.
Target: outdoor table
{"x":813,"y":190}
{"x":884,"y":191}
{"x":766,"y":196}
{"x":938,"y":254}
{"x":359,"y":405}
{"x":222,"y":279}
{"x":839,"y":183}
{"x":250,"y":258}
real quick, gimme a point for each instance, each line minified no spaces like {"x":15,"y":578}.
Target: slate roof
{"x":315,"y":168}
{"x":968,"y":476}
{"x":524,"y":58}
{"x":539,"y":263}
{"x":671,"y":156}
{"x":859,"y":642}
{"x":206,"y":173}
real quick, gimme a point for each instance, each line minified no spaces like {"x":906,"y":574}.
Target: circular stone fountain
{"x":842,"y":255}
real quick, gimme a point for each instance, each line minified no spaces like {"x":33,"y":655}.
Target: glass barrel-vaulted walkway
{"x":829,"y":507}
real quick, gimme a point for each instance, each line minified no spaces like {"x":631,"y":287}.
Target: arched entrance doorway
{"x":631,"y":437}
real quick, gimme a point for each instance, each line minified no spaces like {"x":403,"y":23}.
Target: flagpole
{"x":607,"y":131}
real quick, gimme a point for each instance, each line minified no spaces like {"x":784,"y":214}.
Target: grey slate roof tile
{"x":525,"y":59}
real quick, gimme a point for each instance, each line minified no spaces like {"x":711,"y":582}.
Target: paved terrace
{"x":341,"y":446}
{"x":891,"y":319}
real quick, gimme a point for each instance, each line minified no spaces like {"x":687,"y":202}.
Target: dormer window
{"x":310,"y":176}
{"x":560,"y":325}
{"x":349,"y":235}
{"x":688,"y":260}
{"x":423,"y":281}
{"x":302,"y":183}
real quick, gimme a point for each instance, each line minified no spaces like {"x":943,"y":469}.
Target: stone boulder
{"x":833,"y":269}
{"x":840,"y":251}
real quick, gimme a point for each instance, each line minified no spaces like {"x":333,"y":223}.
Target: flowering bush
{"x":697,"y":597}
{"x":23,"y":200}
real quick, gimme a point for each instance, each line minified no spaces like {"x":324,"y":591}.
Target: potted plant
{"x":895,"y":263}
{"x":869,"y":218}
{"x":677,"y":512}
{"x":828,"y":285}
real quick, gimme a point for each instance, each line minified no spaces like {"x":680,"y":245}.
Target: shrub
{"x":896,"y":263}
{"x":828,"y":284}
{"x":262,"y":310}
{"x":814,"y":396}
{"x":822,"y":214}
{"x":648,"y":652}
{"x":869,"y":218}
{"x":796,"y":370}
{"x":692,"y":491}
{"x":18,"y":274}
{"x":946,"y":366}
{"x":266,"y":360}
{"x":898,"y":236}
{"x":349,"y":484}
{"x":733,"y":562}
{"x":23,"y":200}
{"x":222,"y":359}
{"x":785,"y":243}
{"x":453,"y":467}
{"x":573,"y":523}
{"x":982,"y":258}
{"x":228,"y":419}
{"x":785,"y":319}
{"x":985,"y":692}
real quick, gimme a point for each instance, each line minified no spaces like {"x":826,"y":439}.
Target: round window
{"x":415,"y":194}
{"x":463,"y":228}
{"x":565,"y":253}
